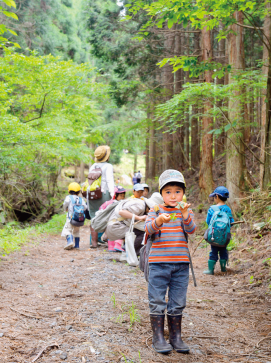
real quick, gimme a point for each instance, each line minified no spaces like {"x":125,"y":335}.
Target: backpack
{"x":99,"y":222}
{"x":218,"y":233}
{"x":145,"y":250}
{"x":78,"y":215}
{"x":92,"y":187}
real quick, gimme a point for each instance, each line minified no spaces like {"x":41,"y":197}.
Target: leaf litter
{"x":72,"y":318}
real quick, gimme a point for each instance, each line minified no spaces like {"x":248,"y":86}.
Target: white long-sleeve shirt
{"x":67,"y":205}
{"x":107,"y":177}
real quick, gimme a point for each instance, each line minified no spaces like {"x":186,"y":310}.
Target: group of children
{"x":169,"y":257}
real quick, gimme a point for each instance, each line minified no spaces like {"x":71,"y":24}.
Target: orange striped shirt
{"x":169,"y":245}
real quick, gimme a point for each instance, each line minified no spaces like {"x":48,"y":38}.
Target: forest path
{"x":54,"y":297}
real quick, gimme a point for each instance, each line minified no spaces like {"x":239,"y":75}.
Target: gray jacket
{"x":117,"y":225}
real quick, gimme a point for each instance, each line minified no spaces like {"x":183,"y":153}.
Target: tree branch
{"x":41,"y":110}
{"x":249,"y":27}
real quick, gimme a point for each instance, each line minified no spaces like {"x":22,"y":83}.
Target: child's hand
{"x":184,"y":208}
{"x":142,"y":218}
{"x":163,"y":218}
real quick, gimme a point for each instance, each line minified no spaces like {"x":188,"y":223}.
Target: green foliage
{"x":173,"y":112}
{"x":113,"y":299}
{"x":12,"y":237}
{"x":234,"y":242}
{"x":131,"y":361}
{"x":48,"y":110}
{"x":199,"y":14}
{"x":133,"y":314}
{"x":7,"y":14}
{"x":49,"y":27}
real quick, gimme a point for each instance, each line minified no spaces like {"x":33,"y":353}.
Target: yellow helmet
{"x":184,"y":198}
{"x":74,"y":187}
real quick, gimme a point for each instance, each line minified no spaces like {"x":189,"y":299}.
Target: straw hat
{"x":102,"y":153}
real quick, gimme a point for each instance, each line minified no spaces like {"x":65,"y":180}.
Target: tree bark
{"x":195,"y":139}
{"x":266,"y":104}
{"x":147,"y":163}
{"x":221,"y":139}
{"x":82,"y":172}
{"x":135,"y":162}
{"x":235,"y":161}
{"x":168,"y":81}
{"x":152,"y":158}
{"x":206,"y":182}
{"x":195,"y":127}
{"x":187,"y":114}
{"x":178,"y":136}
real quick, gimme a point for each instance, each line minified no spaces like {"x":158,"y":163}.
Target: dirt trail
{"x":66,"y":299}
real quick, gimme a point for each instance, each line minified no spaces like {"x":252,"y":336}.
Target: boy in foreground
{"x":220,"y":194}
{"x":169,"y":262}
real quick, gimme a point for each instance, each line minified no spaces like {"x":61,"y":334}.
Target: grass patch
{"x":13,"y":236}
{"x":234,"y":242}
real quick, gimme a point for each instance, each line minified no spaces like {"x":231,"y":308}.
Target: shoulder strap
{"x":80,"y":200}
{"x":215,"y":208}
{"x":184,"y":232}
{"x":72,"y":199}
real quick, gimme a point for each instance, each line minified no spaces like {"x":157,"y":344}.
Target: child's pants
{"x":223,"y":253}
{"x":69,"y":229}
{"x":171,"y":276}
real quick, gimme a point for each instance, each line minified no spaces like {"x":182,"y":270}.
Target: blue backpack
{"x":78,"y":215}
{"x":218,"y":233}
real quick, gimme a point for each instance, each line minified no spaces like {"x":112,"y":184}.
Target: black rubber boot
{"x":159,"y":343}
{"x":175,"y":333}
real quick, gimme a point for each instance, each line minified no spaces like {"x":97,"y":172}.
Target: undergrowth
{"x":13,"y":236}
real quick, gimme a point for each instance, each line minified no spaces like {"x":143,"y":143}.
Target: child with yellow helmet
{"x":70,"y":231}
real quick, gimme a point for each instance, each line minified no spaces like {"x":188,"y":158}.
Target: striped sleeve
{"x":150,"y":225}
{"x":189,"y":223}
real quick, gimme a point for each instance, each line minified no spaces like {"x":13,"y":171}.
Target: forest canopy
{"x":184,"y":82}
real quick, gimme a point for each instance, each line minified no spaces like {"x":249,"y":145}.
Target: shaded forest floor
{"x":77,"y":303}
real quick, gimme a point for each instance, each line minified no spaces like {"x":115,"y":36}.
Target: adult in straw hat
{"x":101,"y":157}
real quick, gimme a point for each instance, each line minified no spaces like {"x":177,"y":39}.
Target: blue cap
{"x":138,"y":187}
{"x":220,"y":191}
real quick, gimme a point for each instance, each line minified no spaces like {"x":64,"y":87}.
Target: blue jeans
{"x":171,"y":276}
{"x":223,"y":253}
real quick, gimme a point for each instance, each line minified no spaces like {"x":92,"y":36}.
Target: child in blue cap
{"x":220,"y":194}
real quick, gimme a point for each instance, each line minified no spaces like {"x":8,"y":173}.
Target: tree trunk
{"x":206,"y":182}
{"x":195,"y":127}
{"x":221,"y":139}
{"x":178,"y":136}
{"x":235,"y":161}
{"x":187,"y":114}
{"x":82,"y":170}
{"x":266,"y":104}
{"x":135,"y":162}
{"x":147,"y":163}
{"x":195,"y":139}
{"x":168,"y":81}
{"x":152,"y":158}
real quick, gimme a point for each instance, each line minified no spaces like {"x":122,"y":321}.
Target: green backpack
{"x":219,"y":231}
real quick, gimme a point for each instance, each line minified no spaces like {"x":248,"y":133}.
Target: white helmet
{"x":169,"y":176}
